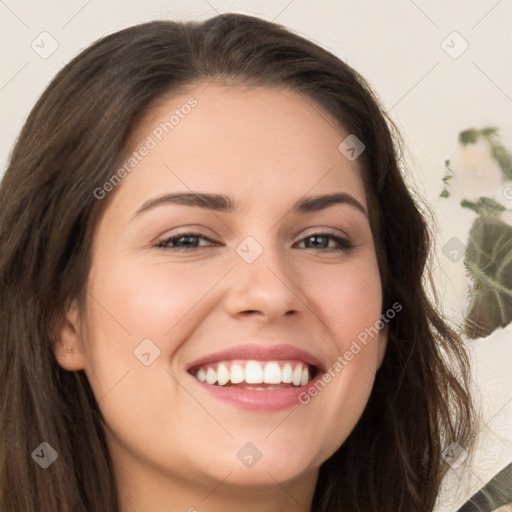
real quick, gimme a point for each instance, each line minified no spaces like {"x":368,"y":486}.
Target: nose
{"x":266,"y":289}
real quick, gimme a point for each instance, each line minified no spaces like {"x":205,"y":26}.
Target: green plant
{"x":488,"y":257}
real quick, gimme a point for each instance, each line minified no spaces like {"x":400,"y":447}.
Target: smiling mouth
{"x":256,"y":375}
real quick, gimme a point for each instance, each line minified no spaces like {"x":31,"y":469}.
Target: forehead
{"x":242,"y":138}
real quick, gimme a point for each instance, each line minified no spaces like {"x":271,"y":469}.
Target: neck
{"x":147,"y":489}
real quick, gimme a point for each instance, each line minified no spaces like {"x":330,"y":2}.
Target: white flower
{"x":476,"y":173}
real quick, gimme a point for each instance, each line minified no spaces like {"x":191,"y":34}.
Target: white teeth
{"x":269,"y":373}
{"x":297,"y":375}
{"x":211,"y":376}
{"x":272,"y":373}
{"x":237,"y":374}
{"x":222,"y":374}
{"x":305,"y":377}
{"x":253,"y":373}
{"x":287,"y":373}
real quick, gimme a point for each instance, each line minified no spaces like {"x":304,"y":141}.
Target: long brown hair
{"x":70,"y":146}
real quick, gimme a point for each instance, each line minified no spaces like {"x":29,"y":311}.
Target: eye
{"x":185,"y":242}
{"x":190,"y":241}
{"x":326,"y":242}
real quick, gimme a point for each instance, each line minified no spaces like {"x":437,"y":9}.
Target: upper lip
{"x":259,"y":352}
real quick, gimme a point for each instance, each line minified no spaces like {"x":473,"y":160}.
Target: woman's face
{"x":225,"y":256}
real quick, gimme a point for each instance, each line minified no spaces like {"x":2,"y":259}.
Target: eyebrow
{"x":221,"y":203}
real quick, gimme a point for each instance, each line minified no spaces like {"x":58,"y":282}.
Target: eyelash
{"x":343,"y":243}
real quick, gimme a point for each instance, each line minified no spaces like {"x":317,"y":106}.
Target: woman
{"x":212,"y":287}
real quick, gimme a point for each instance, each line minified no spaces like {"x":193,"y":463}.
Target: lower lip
{"x":272,"y":400}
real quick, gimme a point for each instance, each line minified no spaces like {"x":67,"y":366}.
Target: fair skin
{"x":174,"y":443}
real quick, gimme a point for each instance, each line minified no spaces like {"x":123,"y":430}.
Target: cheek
{"x":150,"y":300}
{"x":346,"y":297}
{"x":348,"y":301}
{"x":131,"y":303}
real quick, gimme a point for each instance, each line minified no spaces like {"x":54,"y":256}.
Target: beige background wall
{"x":432,"y":85}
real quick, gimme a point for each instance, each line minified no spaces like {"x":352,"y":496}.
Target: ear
{"x":382,"y":343}
{"x":68,"y":346}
